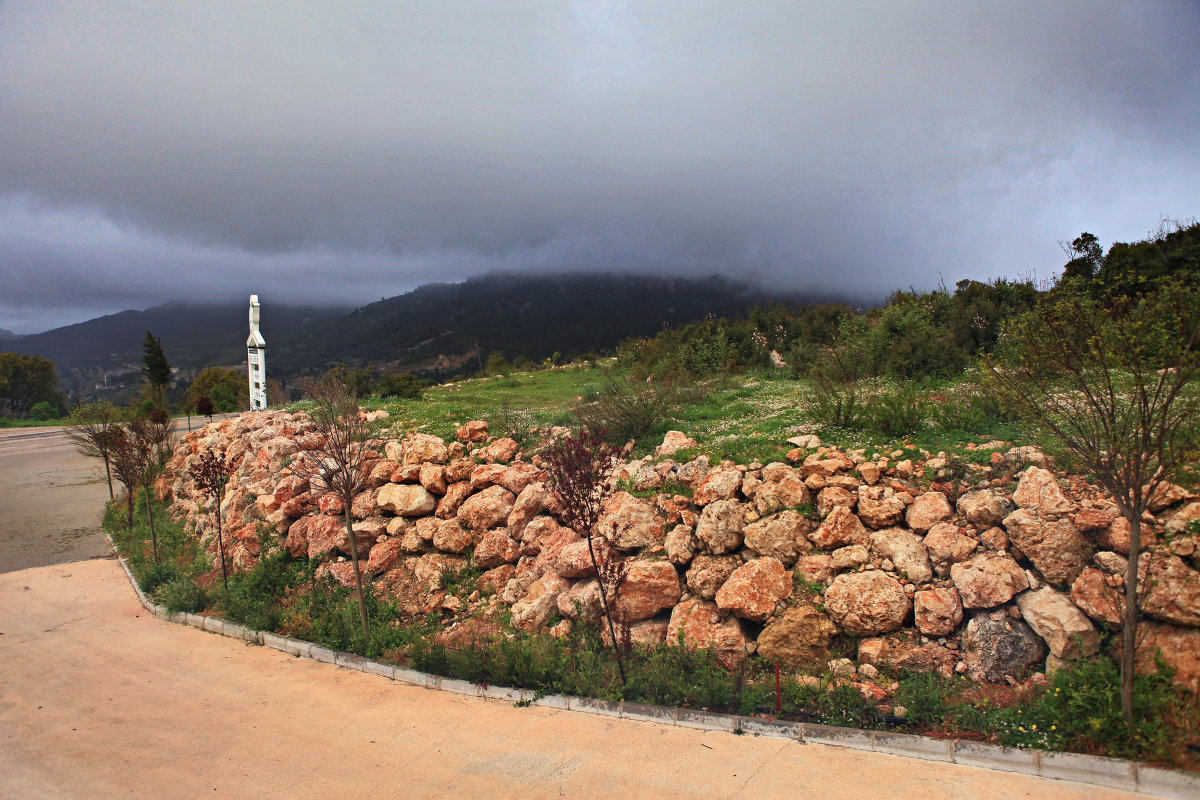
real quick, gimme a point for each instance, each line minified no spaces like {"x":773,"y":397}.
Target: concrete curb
{"x":1110,"y":773}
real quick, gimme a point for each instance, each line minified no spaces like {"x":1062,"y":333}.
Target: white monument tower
{"x":256,"y":360}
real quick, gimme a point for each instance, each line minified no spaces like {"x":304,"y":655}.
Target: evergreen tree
{"x":155,"y":366}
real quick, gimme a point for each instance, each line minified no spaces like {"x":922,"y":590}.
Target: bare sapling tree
{"x":211,"y":474}
{"x":1113,"y":388}
{"x":94,"y":430}
{"x":333,"y":456}
{"x":138,"y":460}
{"x":579,"y":468}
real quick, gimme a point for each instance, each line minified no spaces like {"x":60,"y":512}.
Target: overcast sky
{"x":315,"y":153}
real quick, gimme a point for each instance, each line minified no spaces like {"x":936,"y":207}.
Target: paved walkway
{"x":99,"y":699}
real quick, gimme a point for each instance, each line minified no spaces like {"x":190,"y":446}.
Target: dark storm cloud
{"x":316,"y":153}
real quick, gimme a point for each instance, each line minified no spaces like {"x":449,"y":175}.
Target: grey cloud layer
{"x":401,"y":143}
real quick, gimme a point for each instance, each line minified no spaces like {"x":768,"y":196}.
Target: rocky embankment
{"x":997,"y":577}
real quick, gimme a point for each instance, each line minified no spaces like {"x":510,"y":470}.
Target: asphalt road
{"x":100,"y":700}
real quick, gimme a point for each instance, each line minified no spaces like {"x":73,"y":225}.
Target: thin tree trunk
{"x":129,"y":501}
{"x":1129,"y":624}
{"x":221,"y":547}
{"x":150,"y":517}
{"x":108,"y":477}
{"x":612,"y":632}
{"x":358,"y":584}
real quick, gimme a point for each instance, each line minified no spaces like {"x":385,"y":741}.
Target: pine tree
{"x":155,"y":366}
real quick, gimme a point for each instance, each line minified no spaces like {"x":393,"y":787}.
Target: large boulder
{"x":421,"y":448}
{"x":456,"y":494}
{"x":721,"y":483}
{"x":1100,"y":596}
{"x":781,"y":536}
{"x":947,"y":545}
{"x":1178,"y":647}
{"x":673,"y":442}
{"x":531,"y":501}
{"x":709,"y":573}
{"x":906,"y":551}
{"x":903,"y":654}
{"x":988,"y":580}
{"x":1171,"y":589}
{"x":539,"y":602}
{"x":582,"y":601}
{"x":1054,"y":546}
{"x":680,"y":545}
{"x":487,"y":509}
{"x":495,"y":548}
{"x":878,"y":507}
{"x":720,"y":526}
{"x":755,"y":589}
{"x":784,"y":489}
{"x":701,"y":625}
{"x":383,"y":556}
{"x":984,"y":508}
{"x":996,"y":645}
{"x":927,"y":510}
{"x":328,"y":534}
{"x":630,"y":523}
{"x":406,"y":500}
{"x":798,"y":637}
{"x":937,"y":612}
{"x":1039,"y":491}
{"x":832,"y":497}
{"x":1067,"y":631}
{"x":452,"y":537}
{"x":867,"y":603}
{"x":648,"y":588}
{"x":838,"y":529}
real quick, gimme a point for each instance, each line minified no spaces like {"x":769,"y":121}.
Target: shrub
{"x":405,"y":386}
{"x":898,"y":412}
{"x":622,"y":410}
{"x":43,"y":411}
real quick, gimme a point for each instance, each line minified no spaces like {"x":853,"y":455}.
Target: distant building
{"x":256,"y":360}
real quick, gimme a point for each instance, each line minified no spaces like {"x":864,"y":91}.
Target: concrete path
{"x":99,"y":699}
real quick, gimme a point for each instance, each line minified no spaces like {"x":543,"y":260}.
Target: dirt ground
{"x":98,"y":699}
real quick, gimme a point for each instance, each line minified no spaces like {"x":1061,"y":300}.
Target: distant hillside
{"x":436,"y":325}
{"x":6,"y":334}
{"x":519,"y":315}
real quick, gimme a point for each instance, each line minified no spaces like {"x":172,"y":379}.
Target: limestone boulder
{"x":452,"y":537}
{"x":673,"y":442}
{"x":422,"y":448}
{"x":431,"y":567}
{"x":1179,"y":647}
{"x":574,"y":560}
{"x":630,"y":523}
{"x":782,"y":536}
{"x":947,"y":545}
{"x":496,"y":547}
{"x":701,"y":625}
{"x":840,"y":528}
{"x":383,"y":556}
{"x":532,"y":500}
{"x":906,"y":551}
{"x":755,"y":589}
{"x":877,"y":508}
{"x":937,"y":612}
{"x":1066,"y":630}
{"x":406,"y":500}
{"x":832,"y":497}
{"x":473,"y":431}
{"x":502,"y":450}
{"x":539,"y":602}
{"x":1095,"y":518}
{"x":720,"y":527}
{"x":799,"y":637}
{"x":486,"y":509}
{"x":988,"y":580}
{"x":582,"y":601}
{"x":1055,"y":546}
{"x":984,"y":508}
{"x":433,"y":478}
{"x":1039,"y":491}
{"x":451,"y":502}
{"x":648,"y":588}
{"x":328,"y":534}
{"x":680,"y":545}
{"x":867,"y":603}
{"x":721,"y":483}
{"x":1171,"y":589}
{"x":708,"y":573}
{"x":905,"y":655}
{"x":816,"y":568}
{"x":927,"y":510}
{"x":785,"y":491}
{"x":996,"y":645}
{"x":851,"y":556}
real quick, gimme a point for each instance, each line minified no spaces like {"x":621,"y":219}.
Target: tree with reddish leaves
{"x":579,"y":468}
{"x":205,"y":407}
{"x":139,"y":457}
{"x":211,"y":474}
{"x":334,"y":454}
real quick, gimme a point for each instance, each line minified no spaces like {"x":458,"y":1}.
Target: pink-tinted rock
{"x":574,"y":560}
{"x":680,"y":545}
{"x":451,"y":537}
{"x":1100,"y":596}
{"x":988,"y":580}
{"x":928,"y":510}
{"x":906,"y":552}
{"x":432,"y":566}
{"x":708,"y":573}
{"x":832,"y":497}
{"x":1065,"y":629}
{"x":581,"y":601}
{"x":486,"y":509}
{"x":486,"y":475}
{"x":720,"y":527}
{"x":840,"y":528}
{"x":937,"y":612}
{"x":421,"y":448}
{"x":877,"y":508}
{"x":384,"y":556}
{"x":721,"y":483}
{"x":1095,"y":518}
{"x":534,"y":609}
{"x":406,"y":500}
{"x":500,"y":450}
{"x":867,"y":603}
{"x":1038,"y":490}
{"x":815,"y":568}
{"x":648,"y":587}
{"x":630,"y":523}
{"x":407,"y":473}
{"x":984,"y":508}
{"x":701,"y":625}
{"x":496,"y":548}
{"x":433,"y":478}
{"x":456,"y":494}
{"x":1055,"y":547}
{"x":474,"y":431}
{"x":798,"y":637}
{"x":1178,"y":646}
{"x":1170,"y":590}
{"x":755,"y":589}
{"x":494,"y":580}
{"x":343,"y":573}
{"x":290,"y":487}
{"x":531,"y":501}
{"x":947,"y":545}
{"x":785,"y":491}
{"x":869,"y":471}
{"x":331,"y":504}
{"x":1166,"y":495}
{"x":327,"y":534}
{"x":673,"y":442}
{"x":782,"y":536}
{"x":891,"y":652}
{"x":296,"y":542}
{"x":460,"y":469}
{"x":539,"y":529}
{"x":516,"y":477}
